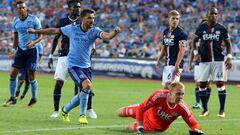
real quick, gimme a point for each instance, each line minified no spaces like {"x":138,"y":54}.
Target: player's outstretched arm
{"x":112,"y":34}
{"x":32,"y":43}
{"x":48,"y":31}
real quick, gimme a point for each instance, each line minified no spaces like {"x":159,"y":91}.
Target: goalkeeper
{"x":160,"y":110}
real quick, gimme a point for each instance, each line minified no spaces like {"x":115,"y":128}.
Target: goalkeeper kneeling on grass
{"x":160,"y":109}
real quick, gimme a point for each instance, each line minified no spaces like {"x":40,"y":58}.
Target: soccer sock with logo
{"x":12,"y":86}
{"x":72,"y":104}
{"x":26,"y":87}
{"x":197,"y":95}
{"x":34,"y":87}
{"x":83,"y":101}
{"x":203,"y":97}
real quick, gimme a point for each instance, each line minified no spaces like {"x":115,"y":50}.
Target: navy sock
{"x":222,"y":98}
{"x":75,"y":90}
{"x":203,"y":97}
{"x":197,"y":95}
{"x":56,"y":98}
{"x":26,"y":87}
{"x":208,"y":94}
{"x":89,"y":104}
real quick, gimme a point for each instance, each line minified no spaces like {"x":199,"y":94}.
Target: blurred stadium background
{"x":132,"y":54}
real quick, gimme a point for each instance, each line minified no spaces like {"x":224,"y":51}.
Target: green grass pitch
{"x":110,"y":94}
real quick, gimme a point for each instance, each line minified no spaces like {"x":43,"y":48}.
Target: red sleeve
{"x":188,"y":117}
{"x":150,"y":102}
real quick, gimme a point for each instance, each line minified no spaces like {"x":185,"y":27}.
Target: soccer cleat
{"x":10,"y":101}
{"x":83,"y":119}
{"x":197,"y":106}
{"x":65,"y":116}
{"x":92,"y":114}
{"x":32,"y":102}
{"x":55,"y":114}
{"x":204,"y":114}
{"x":221,"y":114}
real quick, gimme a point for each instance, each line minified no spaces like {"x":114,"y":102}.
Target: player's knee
{"x":220,"y":86}
{"x":59,"y":84}
{"x":87,"y":84}
{"x":203,"y":85}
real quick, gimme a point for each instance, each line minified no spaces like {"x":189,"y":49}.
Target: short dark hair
{"x":20,"y":2}
{"x":86,"y":11}
{"x":71,"y":2}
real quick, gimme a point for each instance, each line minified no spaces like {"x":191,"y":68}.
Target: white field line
{"x":100,"y":126}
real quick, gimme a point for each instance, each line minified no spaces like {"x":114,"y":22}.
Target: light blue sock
{"x":34,"y":87}
{"x":12,"y":87}
{"x":72,"y":104}
{"x":83,"y":101}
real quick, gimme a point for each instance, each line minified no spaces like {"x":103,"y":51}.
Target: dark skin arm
{"x":228,"y":61}
{"x":54,"y":45}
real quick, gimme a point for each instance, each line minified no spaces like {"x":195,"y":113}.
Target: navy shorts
{"x":22,"y":74}
{"x":80,"y":74}
{"x":26,"y":59}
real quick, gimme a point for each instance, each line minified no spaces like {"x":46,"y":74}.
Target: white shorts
{"x":167,"y":76}
{"x":196,"y":72}
{"x":215,"y":70}
{"x":61,"y":72}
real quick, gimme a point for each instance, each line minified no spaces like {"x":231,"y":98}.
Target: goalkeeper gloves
{"x":196,"y":132}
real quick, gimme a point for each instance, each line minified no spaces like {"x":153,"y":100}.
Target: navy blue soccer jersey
{"x":171,"y":41}
{"x":211,"y":42}
{"x":65,"y":40}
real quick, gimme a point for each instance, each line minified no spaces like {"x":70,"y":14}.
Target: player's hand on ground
{"x":31,"y":30}
{"x":196,"y":132}
{"x":197,"y":58}
{"x":50,"y":63}
{"x":140,"y":130}
{"x":30,"y":44}
{"x":228,"y":63}
{"x":117,"y":29}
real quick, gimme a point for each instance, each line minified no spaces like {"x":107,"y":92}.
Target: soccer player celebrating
{"x":26,"y":55}
{"x":174,"y":45}
{"x":160,"y":109}
{"x":213,"y":37}
{"x":82,"y":37}
{"x":61,"y":73}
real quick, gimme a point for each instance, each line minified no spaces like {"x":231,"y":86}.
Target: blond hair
{"x":176,"y":84}
{"x":173,"y":13}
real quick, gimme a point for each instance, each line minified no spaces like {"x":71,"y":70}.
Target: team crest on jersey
{"x":174,"y":114}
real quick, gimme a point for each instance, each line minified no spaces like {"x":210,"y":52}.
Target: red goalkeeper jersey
{"x":157,"y":114}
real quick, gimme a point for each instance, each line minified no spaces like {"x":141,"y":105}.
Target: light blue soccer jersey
{"x":21,"y":28}
{"x":81,"y":44}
